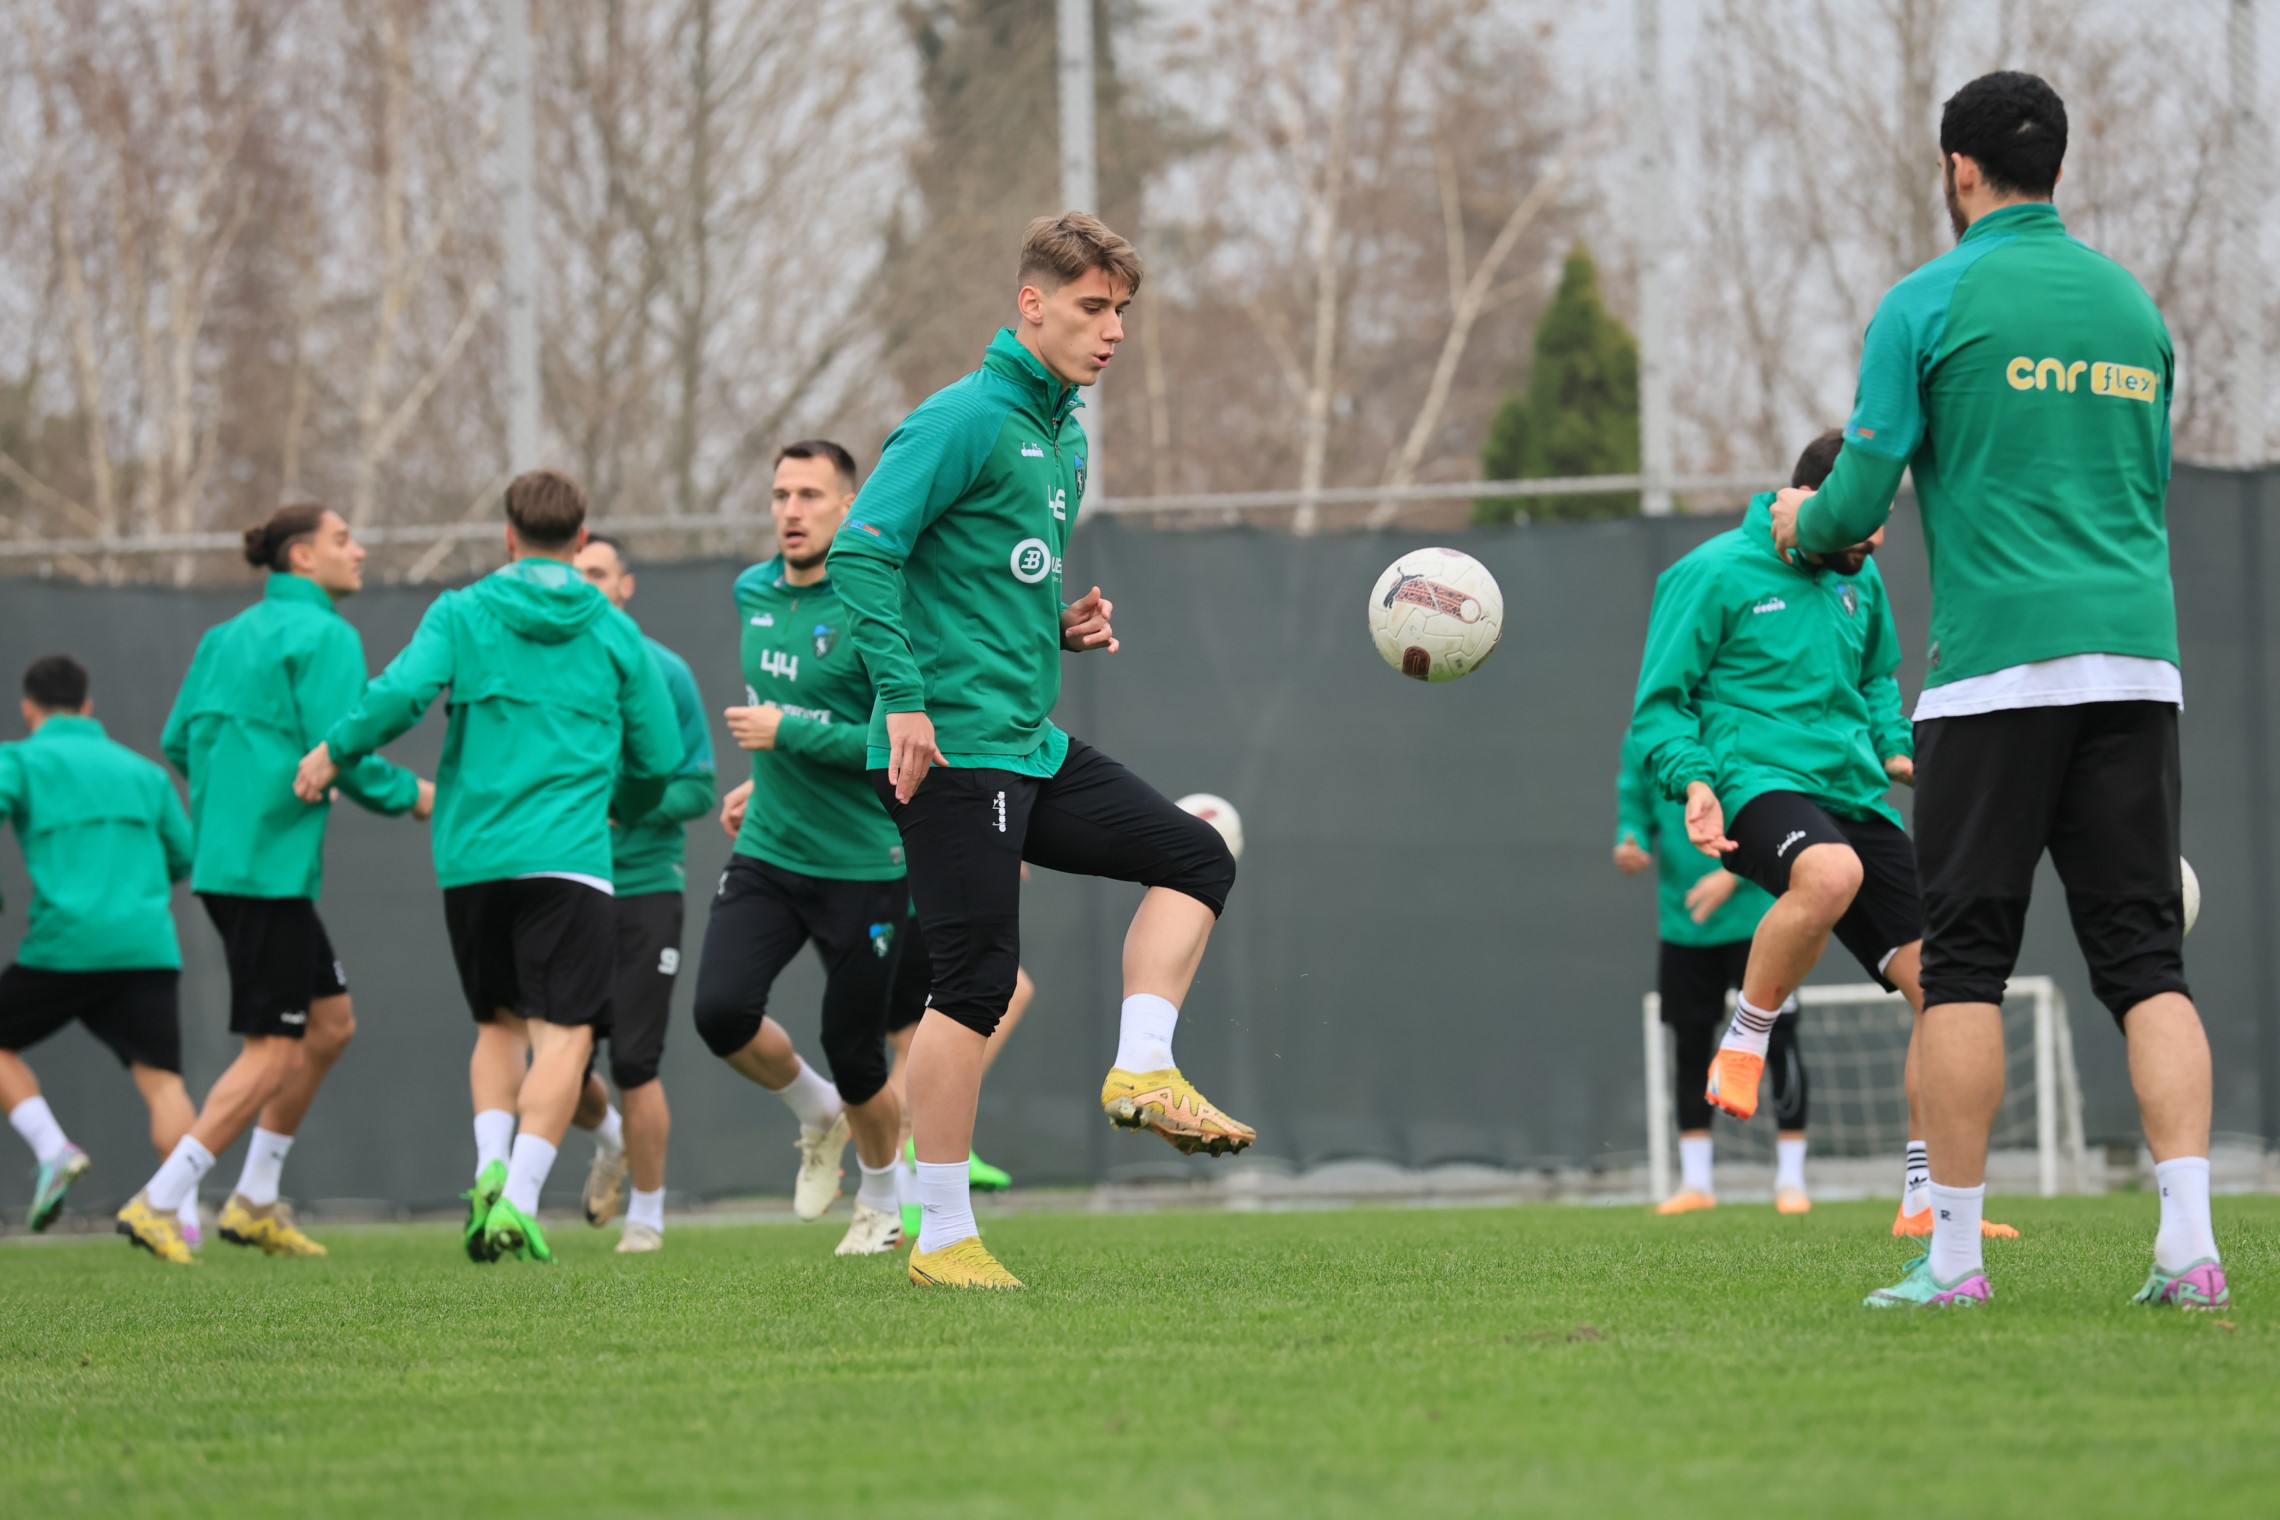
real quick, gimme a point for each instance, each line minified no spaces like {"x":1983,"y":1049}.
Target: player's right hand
{"x":423,"y":805}
{"x":1706,"y":821}
{"x":315,"y":775}
{"x":911,"y":752}
{"x":1710,"y":894}
{"x":732,"y":810}
{"x":1630,"y":859}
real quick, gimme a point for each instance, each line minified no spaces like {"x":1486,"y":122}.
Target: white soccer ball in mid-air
{"x":2192,"y":886}
{"x":1436,"y":614}
{"x":1220,"y":814}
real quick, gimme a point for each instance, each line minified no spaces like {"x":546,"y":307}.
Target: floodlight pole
{"x":1648,"y":224}
{"x":520,"y":232}
{"x":2245,"y":289}
{"x":1080,"y":174}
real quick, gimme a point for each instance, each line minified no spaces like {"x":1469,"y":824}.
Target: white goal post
{"x":2062,"y":1156}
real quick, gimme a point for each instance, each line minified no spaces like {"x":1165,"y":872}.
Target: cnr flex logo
{"x":2106,"y":379}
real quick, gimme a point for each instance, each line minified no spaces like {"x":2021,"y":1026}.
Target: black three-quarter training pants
{"x":1694,"y":981}
{"x":761,"y":916}
{"x":2098,"y":785}
{"x":966,"y":833}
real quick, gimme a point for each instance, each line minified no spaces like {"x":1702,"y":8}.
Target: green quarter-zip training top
{"x":950,"y":564}
{"x":812,"y":808}
{"x":263,"y":688}
{"x":2024,"y":379}
{"x":647,"y":851}
{"x":105,"y":839}
{"x":1657,"y":824}
{"x":1763,"y":676}
{"x":554,"y":695}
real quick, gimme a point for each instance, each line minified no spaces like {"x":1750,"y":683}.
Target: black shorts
{"x":280,"y":959}
{"x":538,"y":947}
{"x":1887,"y":913}
{"x":641,"y":994}
{"x":2098,"y":785}
{"x":967,"y":832}
{"x":1694,"y":980}
{"x":914,"y":977}
{"x":133,"y":1012}
{"x":761,"y":915}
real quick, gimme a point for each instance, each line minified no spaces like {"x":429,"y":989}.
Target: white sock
{"x":36,"y":1123}
{"x":179,"y":1176}
{"x":906,"y":1178}
{"x":264,"y":1167}
{"x":810,"y":1096}
{"x":949,"y":1206}
{"x":647,"y":1208}
{"x":527,"y":1167}
{"x":1694,"y":1164}
{"x":879,"y":1187}
{"x":609,"y":1135}
{"x":1955,"y":1231}
{"x":187,"y":1214}
{"x":494,"y":1137}
{"x":2186,"y":1234}
{"x":1916,"y":1181}
{"x":1144,"y":1033}
{"x":1790,"y":1164}
{"x":1751,"y":1028}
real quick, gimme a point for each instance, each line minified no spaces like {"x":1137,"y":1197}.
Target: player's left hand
{"x":1901,"y":768}
{"x":1786,"y":501}
{"x":1710,"y":894}
{"x":316,"y":775}
{"x":1706,"y":821}
{"x":1084,"y":624}
{"x":755,"y":727}
{"x":423,"y":804}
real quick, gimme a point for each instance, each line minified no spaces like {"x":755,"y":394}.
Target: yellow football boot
{"x":1686,"y":1201}
{"x":1920,"y":1224}
{"x":1168,"y":1104}
{"x":961,"y":1264}
{"x":1733,"y":1085}
{"x":271,"y":1228}
{"x":156,"y":1233}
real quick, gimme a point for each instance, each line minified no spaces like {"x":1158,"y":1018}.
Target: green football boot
{"x":53,"y":1180}
{"x":481,"y":1199}
{"x":2200,"y":1286}
{"x":511,"y":1232}
{"x":981,"y":1174}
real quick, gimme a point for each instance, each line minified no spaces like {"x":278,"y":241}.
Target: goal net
{"x":1853,"y":1041}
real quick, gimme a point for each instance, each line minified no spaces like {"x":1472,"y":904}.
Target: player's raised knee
{"x":1825,"y":879}
{"x":726,"y":1022}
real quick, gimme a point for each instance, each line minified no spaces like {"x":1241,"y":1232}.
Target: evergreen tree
{"x":1580,"y":413}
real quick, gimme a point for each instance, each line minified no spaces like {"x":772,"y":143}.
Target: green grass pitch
{"x":1540,"y":1360}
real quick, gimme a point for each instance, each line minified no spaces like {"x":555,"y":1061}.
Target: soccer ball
{"x":2192,"y":892}
{"x":1436,"y":614}
{"x":1220,"y":814}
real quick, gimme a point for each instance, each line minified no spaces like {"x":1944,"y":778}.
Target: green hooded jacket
{"x":553,"y":694}
{"x":950,"y":564}
{"x":105,"y":839}
{"x":646,"y":853}
{"x":1763,"y":676}
{"x":812,"y":808}
{"x":262,"y":690}
{"x":1656,"y":824}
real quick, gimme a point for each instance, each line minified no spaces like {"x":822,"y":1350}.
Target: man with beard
{"x":2024,"y":380}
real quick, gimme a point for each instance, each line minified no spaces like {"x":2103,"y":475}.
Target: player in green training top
{"x":816,"y":859}
{"x":2024,"y":380}
{"x":264,"y":686}
{"x":104,"y":841}
{"x":559,"y":719}
{"x":1706,"y":915}
{"x":950,"y":567}
{"x":645,"y":865}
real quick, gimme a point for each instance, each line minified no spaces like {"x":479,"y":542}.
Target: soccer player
{"x":104,"y":840}
{"x":1708,"y":915}
{"x":2024,"y":379}
{"x":950,"y":567}
{"x":554,"y":697}
{"x":646,"y":868}
{"x":816,"y":858}
{"x":906,"y":1004}
{"x":263,"y":687}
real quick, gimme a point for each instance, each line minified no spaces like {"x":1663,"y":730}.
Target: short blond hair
{"x":1058,"y":249}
